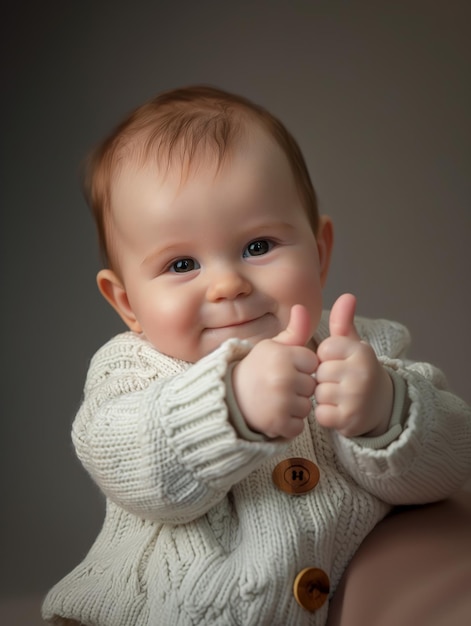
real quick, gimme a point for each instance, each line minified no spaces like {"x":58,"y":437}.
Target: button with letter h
{"x":296,"y":475}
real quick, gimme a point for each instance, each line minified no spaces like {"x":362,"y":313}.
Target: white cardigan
{"x":196,"y":532}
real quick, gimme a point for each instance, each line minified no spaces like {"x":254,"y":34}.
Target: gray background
{"x":378,"y":96}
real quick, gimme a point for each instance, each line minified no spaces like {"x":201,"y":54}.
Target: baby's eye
{"x":258,"y":247}
{"x":184,"y":265}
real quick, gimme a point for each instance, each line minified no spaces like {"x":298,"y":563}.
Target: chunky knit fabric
{"x":196,"y":533}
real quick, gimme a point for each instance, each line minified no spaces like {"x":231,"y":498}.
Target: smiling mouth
{"x":237,"y":324}
{"x":261,"y":326}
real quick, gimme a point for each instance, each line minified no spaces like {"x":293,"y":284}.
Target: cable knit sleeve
{"x":154,"y":433}
{"x":431,"y":458}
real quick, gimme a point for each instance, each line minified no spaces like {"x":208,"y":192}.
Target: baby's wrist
{"x":386,"y":404}
{"x":379,"y":429}
{"x":398,"y":416}
{"x":236,"y":417}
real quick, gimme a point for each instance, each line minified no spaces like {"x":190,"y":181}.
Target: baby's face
{"x":223,"y":254}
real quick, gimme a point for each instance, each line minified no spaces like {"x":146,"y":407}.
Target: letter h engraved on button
{"x":297,"y":475}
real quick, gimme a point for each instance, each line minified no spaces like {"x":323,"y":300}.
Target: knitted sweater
{"x":196,"y":532}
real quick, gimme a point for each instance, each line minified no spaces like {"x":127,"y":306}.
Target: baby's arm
{"x":157,"y":440}
{"x":430,"y":457}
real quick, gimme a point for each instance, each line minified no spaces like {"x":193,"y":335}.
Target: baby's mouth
{"x":237,"y":323}
{"x":243,"y":329}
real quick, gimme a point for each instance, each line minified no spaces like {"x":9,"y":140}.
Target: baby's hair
{"x":184,"y":124}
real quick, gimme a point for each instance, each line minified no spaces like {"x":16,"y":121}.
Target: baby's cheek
{"x":169,"y":328}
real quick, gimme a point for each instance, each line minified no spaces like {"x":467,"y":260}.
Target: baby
{"x":246,"y":442}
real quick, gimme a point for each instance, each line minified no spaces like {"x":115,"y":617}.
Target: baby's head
{"x":208,"y":222}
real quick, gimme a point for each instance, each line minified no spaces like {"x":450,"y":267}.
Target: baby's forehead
{"x":187,"y":157}
{"x":253,"y":167}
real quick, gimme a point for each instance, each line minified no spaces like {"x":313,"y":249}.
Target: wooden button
{"x":311,"y":588}
{"x":296,"y":475}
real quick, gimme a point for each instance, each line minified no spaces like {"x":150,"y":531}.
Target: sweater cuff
{"x":398,"y":416}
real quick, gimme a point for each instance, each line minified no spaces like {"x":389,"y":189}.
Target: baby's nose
{"x":228,"y":285}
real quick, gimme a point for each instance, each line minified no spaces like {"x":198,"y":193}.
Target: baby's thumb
{"x":342,"y":316}
{"x":298,"y":331}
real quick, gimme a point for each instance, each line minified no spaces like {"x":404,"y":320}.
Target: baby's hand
{"x":354,"y":392}
{"x":273,"y":384}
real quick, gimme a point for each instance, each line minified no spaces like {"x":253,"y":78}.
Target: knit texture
{"x":196,"y":533}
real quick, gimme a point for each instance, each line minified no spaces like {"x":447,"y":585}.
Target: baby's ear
{"x":325,"y":242}
{"x":112,"y":289}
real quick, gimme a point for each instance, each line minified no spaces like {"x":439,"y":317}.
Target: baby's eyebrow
{"x":270,"y":225}
{"x":159,"y":251}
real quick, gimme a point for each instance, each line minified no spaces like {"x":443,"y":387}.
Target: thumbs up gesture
{"x":273,"y":384}
{"x":354,"y":392}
